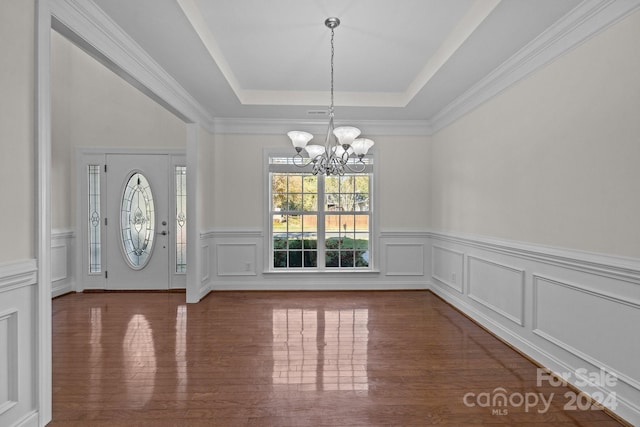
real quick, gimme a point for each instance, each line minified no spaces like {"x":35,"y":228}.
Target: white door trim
{"x":43,"y":209}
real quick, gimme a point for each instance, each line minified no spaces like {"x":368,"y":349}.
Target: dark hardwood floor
{"x":290,"y":359}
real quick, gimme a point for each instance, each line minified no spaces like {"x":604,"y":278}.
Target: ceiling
{"x":394,"y":60}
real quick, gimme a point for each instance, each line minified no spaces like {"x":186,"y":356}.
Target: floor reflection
{"x":181,"y":350}
{"x":320,"y":350}
{"x":295,"y":347}
{"x":95,"y":356}
{"x":345,"y":353}
{"x":139,"y":361}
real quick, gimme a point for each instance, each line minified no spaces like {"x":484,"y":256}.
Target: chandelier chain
{"x":332,"y":55}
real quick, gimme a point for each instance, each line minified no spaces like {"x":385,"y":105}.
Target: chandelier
{"x":341,"y":143}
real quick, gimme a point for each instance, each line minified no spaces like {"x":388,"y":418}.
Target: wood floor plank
{"x":288,"y":359}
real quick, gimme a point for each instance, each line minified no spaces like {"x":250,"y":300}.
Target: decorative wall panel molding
{"x":498,"y":287}
{"x":8,"y":359}
{"x":58,"y":262}
{"x":18,"y":356}
{"x":591,"y":325}
{"x":571,"y":311}
{"x":205,"y":274}
{"x":447,"y":266}
{"x":239,"y":256}
{"x":236,"y":259}
{"x":62,"y":262}
{"x":404,"y":259}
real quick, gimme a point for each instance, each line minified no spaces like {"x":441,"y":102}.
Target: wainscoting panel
{"x":573,"y":312}
{"x":591,"y":325}
{"x":8,"y":360}
{"x":62,"y":265}
{"x":205,"y":268}
{"x":405,"y":259}
{"x":447,"y":266}
{"x":239,"y":261}
{"x":236,"y":259}
{"x":498,"y":287}
{"x":18,"y":357}
{"x":58,"y":262}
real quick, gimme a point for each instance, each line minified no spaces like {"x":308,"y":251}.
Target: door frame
{"x":83,"y":27}
{"x":97,"y":155}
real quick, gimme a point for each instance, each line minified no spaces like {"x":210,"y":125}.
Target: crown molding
{"x":282,"y":126}
{"x":583,"y":22}
{"x":88,"y":26}
{"x":85,"y":24}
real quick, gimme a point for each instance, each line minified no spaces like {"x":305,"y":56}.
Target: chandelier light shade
{"x":341,"y":143}
{"x":299,"y":139}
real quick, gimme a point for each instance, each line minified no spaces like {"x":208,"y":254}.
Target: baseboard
{"x":66,"y":288}
{"x":316,"y":285}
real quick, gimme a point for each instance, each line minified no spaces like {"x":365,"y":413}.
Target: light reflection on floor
{"x":95,"y":356}
{"x":181,"y":352}
{"x":139,"y":361}
{"x":324,"y":350}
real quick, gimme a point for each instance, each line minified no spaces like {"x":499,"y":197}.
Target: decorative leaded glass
{"x":137,"y":221}
{"x":95,"y":256}
{"x":181,"y":219}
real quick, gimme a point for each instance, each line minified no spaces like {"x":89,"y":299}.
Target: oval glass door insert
{"x":137,"y":221}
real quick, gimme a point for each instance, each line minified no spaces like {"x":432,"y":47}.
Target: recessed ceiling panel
{"x":380,"y":45}
{"x":401,"y":59}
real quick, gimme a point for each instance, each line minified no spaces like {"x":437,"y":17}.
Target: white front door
{"x":137,"y":229}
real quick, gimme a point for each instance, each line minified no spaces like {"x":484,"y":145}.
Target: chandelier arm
{"x":361,"y":166}
{"x":344,"y":158}
{"x":301,"y":164}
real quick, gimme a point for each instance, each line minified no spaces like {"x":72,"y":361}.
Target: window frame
{"x":269,"y":244}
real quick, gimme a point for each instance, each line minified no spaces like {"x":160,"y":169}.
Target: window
{"x":181,"y":219}
{"x":94,"y":219}
{"x":318,"y":222}
{"x":137,"y":221}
